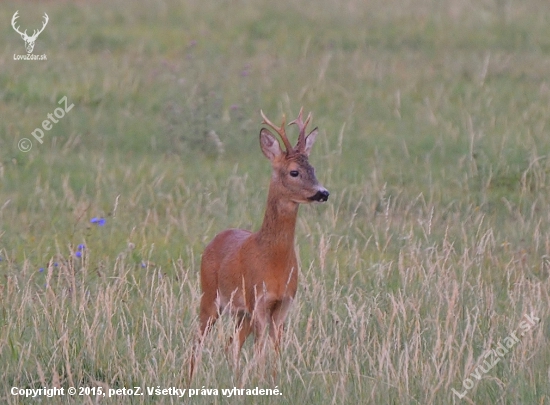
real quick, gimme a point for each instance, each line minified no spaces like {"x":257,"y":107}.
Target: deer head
{"x":29,"y":41}
{"x":292,"y":173}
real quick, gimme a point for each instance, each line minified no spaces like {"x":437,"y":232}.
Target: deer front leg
{"x":276,"y":321}
{"x":242,"y":331}
{"x":260,"y":323}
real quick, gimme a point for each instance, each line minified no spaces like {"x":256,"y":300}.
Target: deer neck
{"x":277,"y":230}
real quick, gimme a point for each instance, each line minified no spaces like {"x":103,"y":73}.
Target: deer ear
{"x":269,"y":144}
{"x":310,"y":140}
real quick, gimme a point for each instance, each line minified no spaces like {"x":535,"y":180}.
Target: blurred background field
{"x":434,"y":244}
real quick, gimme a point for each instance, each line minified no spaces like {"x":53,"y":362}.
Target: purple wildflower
{"x":98,"y":221}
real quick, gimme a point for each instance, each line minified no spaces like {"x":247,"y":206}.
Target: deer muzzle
{"x":321,"y":195}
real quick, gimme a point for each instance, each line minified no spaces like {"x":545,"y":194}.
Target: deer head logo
{"x":29,"y":40}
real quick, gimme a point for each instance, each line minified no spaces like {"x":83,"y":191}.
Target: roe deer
{"x":256,"y":274}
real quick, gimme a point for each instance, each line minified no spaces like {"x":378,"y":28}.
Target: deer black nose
{"x":321,"y":196}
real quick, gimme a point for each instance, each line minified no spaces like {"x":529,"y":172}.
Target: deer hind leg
{"x":207,"y":317}
{"x":244,"y":329}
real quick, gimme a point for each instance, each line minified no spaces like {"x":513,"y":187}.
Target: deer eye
{"x":294,"y":173}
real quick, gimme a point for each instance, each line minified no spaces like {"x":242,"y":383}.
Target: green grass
{"x":435,"y":242}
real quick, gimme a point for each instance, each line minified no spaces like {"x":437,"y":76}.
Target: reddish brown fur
{"x":256,"y":274}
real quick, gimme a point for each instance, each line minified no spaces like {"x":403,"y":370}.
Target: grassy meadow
{"x":432,"y":249}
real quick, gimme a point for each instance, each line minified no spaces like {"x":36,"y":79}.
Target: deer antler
{"x":280,"y":130}
{"x":15,"y":17}
{"x":46,"y":19}
{"x":35,"y":32}
{"x":301,"y":145}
